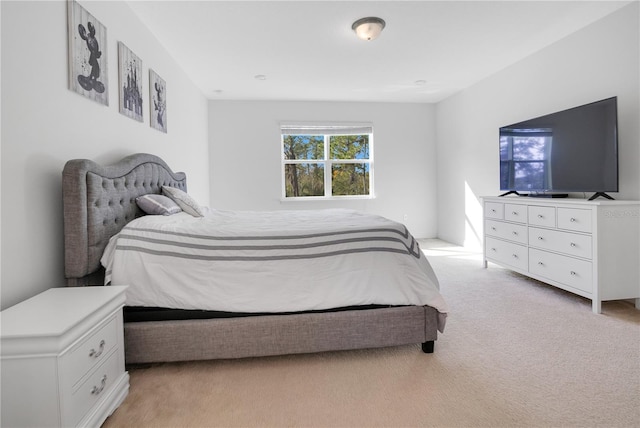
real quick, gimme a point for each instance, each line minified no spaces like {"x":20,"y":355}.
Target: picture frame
{"x":87,"y":54}
{"x":130,"y":78}
{"x":157,"y":102}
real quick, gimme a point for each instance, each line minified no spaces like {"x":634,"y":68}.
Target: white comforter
{"x":280,"y":261}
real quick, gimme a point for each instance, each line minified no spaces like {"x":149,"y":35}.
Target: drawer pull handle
{"x":541,"y":264}
{"x":492,"y":210}
{"x":95,"y":354}
{"x":514,"y":212}
{"x":98,"y":389}
{"x":493,"y":228}
{"x":572,"y":220}
{"x":573,"y":273}
{"x":540,"y":238}
{"x":515,"y":233}
{"x":493,"y":249}
{"x":515,"y":256}
{"x":573,"y":244}
{"x":540,"y":216}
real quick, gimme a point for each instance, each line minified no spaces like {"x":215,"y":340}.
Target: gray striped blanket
{"x":279,"y":261}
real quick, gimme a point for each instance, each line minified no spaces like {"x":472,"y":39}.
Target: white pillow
{"x":157,"y":205}
{"x":186,"y":202}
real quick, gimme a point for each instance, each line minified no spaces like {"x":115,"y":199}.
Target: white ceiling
{"x":428,"y":51}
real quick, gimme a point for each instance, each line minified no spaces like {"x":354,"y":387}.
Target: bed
{"x":101,"y":213}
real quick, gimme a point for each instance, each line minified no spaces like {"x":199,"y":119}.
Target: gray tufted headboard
{"x":99,"y":200}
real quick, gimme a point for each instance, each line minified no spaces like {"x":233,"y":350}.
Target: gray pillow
{"x":186,"y":202}
{"x":157,"y":205}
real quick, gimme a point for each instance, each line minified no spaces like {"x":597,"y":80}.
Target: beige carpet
{"x":515,"y":353}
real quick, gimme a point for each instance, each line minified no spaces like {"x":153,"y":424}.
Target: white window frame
{"x":327,"y":130}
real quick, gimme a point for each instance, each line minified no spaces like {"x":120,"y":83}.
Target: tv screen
{"x":574,"y":150}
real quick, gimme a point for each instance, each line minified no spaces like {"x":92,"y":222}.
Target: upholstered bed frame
{"x":99,"y":200}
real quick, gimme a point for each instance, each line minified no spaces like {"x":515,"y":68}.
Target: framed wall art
{"x":88,"y":70}
{"x":158,"y":104}
{"x":130,"y":77}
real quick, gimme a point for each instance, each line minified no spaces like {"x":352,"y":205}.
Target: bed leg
{"x":427,"y":347}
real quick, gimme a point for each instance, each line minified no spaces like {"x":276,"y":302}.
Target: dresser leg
{"x":596,"y":306}
{"x":638,"y":304}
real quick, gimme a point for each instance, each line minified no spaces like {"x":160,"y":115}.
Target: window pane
{"x":303,"y":146}
{"x":531,"y":147}
{"x":529,"y":175}
{"x":505,"y":175}
{"x":350,"y":179}
{"x":505,"y":144}
{"x":305,"y":179}
{"x":349,"y":146}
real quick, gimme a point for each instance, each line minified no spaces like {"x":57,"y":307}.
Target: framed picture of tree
{"x":158,"y":104}
{"x":88,"y":70}
{"x":130,"y":77}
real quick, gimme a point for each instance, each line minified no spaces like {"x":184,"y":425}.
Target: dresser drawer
{"x":494,"y":210}
{"x":517,"y":213}
{"x":563,"y":269}
{"x":569,"y":243}
{"x":509,"y":253}
{"x":90,"y":351}
{"x":509,"y":231}
{"x":542,"y":216}
{"x":81,"y":399}
{"x":574,"y":219}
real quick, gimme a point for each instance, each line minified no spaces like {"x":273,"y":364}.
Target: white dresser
{"x":590,"y":248}
{"x":63,"y":358}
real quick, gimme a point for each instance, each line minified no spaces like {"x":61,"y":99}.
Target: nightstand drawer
{"x":82,"y":398}
{"x":569,"y":243}
{"x":542,"y":216}
{"x":517,"y":213}
{"x":574,"y":219}
{"x":565,"y":270}
{"x":506,"y":252}
{"x":509,"y":231}
{"x":90,"y":351}
{"x":494,"y":210}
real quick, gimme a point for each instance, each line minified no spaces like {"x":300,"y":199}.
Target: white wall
{"x":600,"y":61}
{"x":44,"y":124}
{"x":245,"y":155}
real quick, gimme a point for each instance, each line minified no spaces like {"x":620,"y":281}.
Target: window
{"x":327,"y":161}
{"x":524,"y":158}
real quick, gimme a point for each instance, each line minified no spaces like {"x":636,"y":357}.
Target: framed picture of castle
{"x":130,"y":77}
{"x":88,"y":70}
{"x":158,"y":98}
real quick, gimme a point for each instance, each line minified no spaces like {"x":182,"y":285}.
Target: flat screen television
{"x":574,"y":150}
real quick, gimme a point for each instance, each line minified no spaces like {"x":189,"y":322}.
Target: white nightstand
{"x":63,"y":358}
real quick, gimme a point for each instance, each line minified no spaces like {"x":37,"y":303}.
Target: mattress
{"x":146,"y":314}
{"x":270,"y":262}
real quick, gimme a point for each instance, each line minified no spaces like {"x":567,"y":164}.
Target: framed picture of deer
{"x":158,"y":101}
{"x":88,"y":70}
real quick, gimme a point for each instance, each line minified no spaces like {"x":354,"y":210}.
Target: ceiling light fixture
{"x":368,"y":28}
